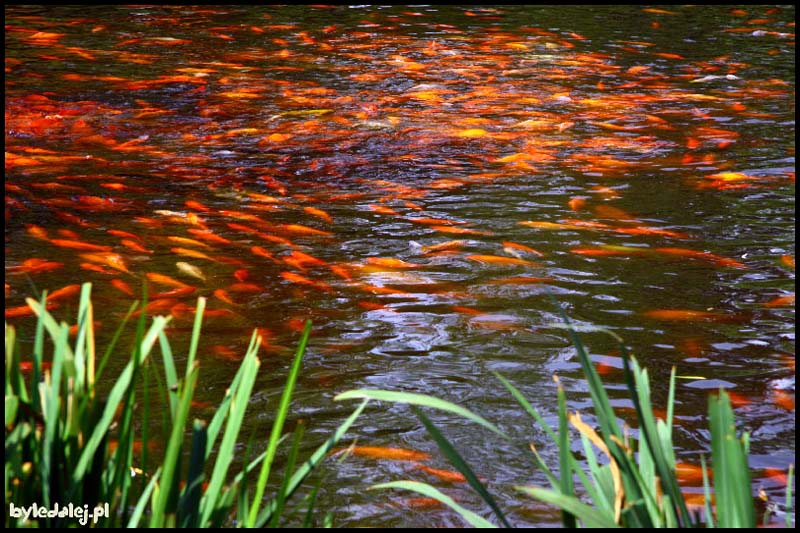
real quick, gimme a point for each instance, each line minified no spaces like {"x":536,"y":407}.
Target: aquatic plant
{"x":630,"y":482}
{"x":72,"y":434}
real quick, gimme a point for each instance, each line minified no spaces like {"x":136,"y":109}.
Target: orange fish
{"x":383,"y":210}
{"x":185,"y":240}
{"x":499,"y":260}
{"x":133,"y":245}
{"x":177,"y":292}
{"x":460,"y":231}
{"x":691,"y":474}
{"x":304,"y":230}
{"x":163,"y":279}
{"x":122,"y":286}
{"x":80,"y":245}
{"x":783,"y":399}
{"x":37,"y":231}
{"x":723,"y":261}
{"x":300,"y":260}
{"x":262,"y":252}
{"x":191,"y":253}
{"x":64,"y":292}
{"x":208,"y":236}
{"x":319,"y":213}
{"x":682,"y":315}
{"x":35,"y":265}
{"x":389,"y":262}
{"x":24,"y":310}
{"x":223,"y":295}
{"x":577,"y":203}
{"x":297,"y":278}
{"x":522,"y":247}
{"x":444,"y":475}
{"x":384,"y":453}
{"x":114,"y":261}
{"x":781,"y":301}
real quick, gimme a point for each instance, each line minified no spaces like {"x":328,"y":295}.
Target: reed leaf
{"x":277,"y":426}
{"x":455,"y":458}
{"x":586,"y":514}
{"x":422,"y":400}
{"x":470,"y":517}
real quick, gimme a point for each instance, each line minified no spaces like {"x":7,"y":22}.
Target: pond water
{"x":426,"y":184}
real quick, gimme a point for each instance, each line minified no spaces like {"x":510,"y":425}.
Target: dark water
{"x":638,"y":162}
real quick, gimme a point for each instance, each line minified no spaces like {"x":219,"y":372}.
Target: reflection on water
{"x":422,"y":183}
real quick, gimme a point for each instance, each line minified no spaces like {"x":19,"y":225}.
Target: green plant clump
{"x":69,"y":447}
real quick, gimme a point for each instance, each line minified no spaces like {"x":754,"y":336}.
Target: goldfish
{"x":35,"y":265}
{"x":304,"y":230}
{"x":319,"y":213}
{"x":190,"y":270}
{"x":384,"y":453}
{"x":64,"y":292}
{"x":297,"y":278}
{"x":163,"y":279}
{"x":781,"y":301}
{"x":122,"y":286}
{"x":682,"y":315}
{"x":499,"y":260}
{"x":222,"y":294}
{"x":191,"y":253}
{"x":460,"y":231}
{"x":185,"y":240}
{"x":444,"y":475}
{"x":208,"y":235}
{"x":300,"y":260}
{"x":114,"y":261}
{"x":511,"y":246}
{"x":391,"y":262}
{"x":80,"y":245}
{"x":24,"y":310}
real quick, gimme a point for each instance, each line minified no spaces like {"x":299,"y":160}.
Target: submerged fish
{"x":190,"y":270}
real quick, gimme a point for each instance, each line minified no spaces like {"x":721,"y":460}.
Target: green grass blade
{"x":455,"y":458}
{"x":473,"y":519}
{"x":198,"y":321}
{"x":114,"y":398}
{"x":172,"y":457}
{"x":422,"y":400}
{"x":189,"y":503}
{"x":280,"y":501}
{"x":141,"y":505}
{"x":527,"y":406}
{"x":277,"y":426}
{"x":564,"y":457}
{"x":312,"y":462}
{"x":222,"y":411}
{"x":238,"y":405}
{"x":170,"y":373}
{"x":589,"y":516}
{"x":707,"y":494}
{"x":312,"y":501}
{"x":731,"y":472}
